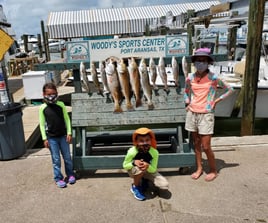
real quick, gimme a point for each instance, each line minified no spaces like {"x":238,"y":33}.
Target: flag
{"x":5,"y":43}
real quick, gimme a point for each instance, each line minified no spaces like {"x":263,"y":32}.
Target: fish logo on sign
{"x":176,"y":46}
{"x":77,"y":51}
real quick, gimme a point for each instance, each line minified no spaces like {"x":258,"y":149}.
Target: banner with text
{"x":153,"y":46}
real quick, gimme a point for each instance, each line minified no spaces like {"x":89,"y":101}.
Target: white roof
{"x":114,"y":21}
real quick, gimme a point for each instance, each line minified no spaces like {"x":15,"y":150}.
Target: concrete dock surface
{"x":238,"y":194}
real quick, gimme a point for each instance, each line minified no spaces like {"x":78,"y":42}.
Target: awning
{"x":114,"y":21}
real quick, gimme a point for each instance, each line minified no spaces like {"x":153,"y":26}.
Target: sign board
{"x":5,"y":43}
{"x":78,"y":51}
{"x":152,"y":46}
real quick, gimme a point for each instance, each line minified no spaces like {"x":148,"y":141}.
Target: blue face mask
{"x":201,"y":66}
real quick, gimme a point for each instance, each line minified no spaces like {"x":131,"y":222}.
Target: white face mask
{"x":201,"y":66}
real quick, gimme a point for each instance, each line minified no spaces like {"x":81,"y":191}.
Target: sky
{"x":25,"y":16}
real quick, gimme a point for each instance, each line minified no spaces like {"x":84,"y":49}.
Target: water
{"x":232,"y":127}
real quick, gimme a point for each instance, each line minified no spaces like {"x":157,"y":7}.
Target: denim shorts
{"x":203,"y":123}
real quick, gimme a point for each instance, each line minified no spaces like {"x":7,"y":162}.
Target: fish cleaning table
{"x":97,"y":129}
{"x":101,"y":137}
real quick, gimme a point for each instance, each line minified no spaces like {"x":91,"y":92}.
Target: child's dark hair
{"x":49,"y":85}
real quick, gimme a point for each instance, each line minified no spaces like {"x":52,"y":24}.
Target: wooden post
{"x":254,"y":39}
{"x":77,"y":81}
{"x":25,"y":43}
{"x":190,"y":31}
{"x":46,"y":46}
{"x":197,"y":41}
{"x":45,"y":42}
{"x":40,"y":48}
{"x":232,"y":42}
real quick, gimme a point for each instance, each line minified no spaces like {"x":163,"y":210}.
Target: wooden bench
{"x":101,"y":137}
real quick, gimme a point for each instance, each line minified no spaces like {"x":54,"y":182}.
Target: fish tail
{"x":138,"y":102}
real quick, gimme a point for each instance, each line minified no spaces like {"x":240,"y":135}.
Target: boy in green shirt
{"x":141,"y":161}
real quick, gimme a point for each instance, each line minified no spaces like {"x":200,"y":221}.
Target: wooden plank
{"x":63,"y":65}
{"x":93,"y":111}
{"x":85,"y":107}
{"x":116,"y":161}
{"x":220,"y":8}
{"x":126,"y":121}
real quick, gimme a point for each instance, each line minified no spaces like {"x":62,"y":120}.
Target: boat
{"x":55,"y":45}
{"x":233,"y":75}
{"x":233,"y":70}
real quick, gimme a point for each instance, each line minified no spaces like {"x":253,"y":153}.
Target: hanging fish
{"x":103,"y":77}
{"x":175,"y":71}
{"x":184,"y":66}
{"x":124,"y":81}
{"x":85,"y":82}
{"x":106,"y":90}
{"x":153,"y":73}
{"x":145,"y":83}
{"x":93,"y":71}
{"x":163,"y":74}
{"x":114,"y":85}
{"x":134,"y":77}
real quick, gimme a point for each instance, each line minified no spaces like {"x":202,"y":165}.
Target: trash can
{"x":12,"y":140}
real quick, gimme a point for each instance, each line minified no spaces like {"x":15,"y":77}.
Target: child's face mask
{"x":51,"y":99}
{"x":144,"y":147}
{"x":201,"y":66}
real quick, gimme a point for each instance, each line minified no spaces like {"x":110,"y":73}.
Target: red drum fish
{"x":163,"y":74}
{"x":85,"y":82}
{"x":103,"y":77}
{"x":184,"y":66}
{"x":145,"y":83}
{"x":93,"y":71}
{"x":175,"y":70}
{"x":114,"y":85}
{"x":134,"y":77}
{"x":153,"y":74}
{"x":124,"y":81}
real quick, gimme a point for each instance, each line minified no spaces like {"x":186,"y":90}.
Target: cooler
{"x":33,"y":82}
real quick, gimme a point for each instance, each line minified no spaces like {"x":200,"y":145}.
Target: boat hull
{"x":226,"y":107}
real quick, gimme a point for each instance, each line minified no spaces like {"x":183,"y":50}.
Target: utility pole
{"x":253,"y":53}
